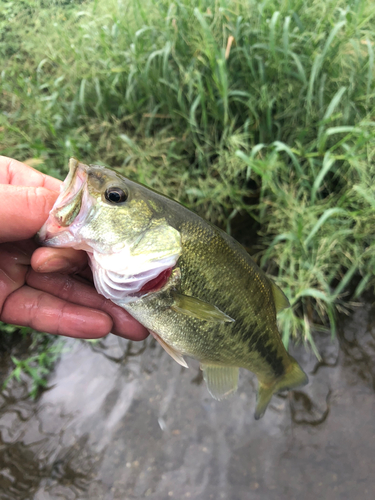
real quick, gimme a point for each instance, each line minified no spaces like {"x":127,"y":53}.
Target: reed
{"x":214,"y":103}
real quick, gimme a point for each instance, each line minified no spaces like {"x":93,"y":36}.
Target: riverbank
{"x":115,"y":424}
{"x":263,"y":110}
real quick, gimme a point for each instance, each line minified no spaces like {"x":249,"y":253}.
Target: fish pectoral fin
{"x":281,"y":300}
{"x":294,"y":377}
{"x":177,"y":356}
{"x":191,"y":306}
{"x":222,"y":381}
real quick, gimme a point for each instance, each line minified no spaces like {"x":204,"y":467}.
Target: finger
{"x":70,"y":289}
{"x":18,"y":174}
{"x":124,"y":325}
{"x":46,"y":313}
{"x":61,"y":260}
{"x":23,"y":211}
{"x":14,"y":262}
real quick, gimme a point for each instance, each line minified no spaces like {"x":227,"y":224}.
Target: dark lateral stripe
{"x":269,"y":354}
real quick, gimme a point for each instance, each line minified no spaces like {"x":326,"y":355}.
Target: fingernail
{"x":59,"y":264}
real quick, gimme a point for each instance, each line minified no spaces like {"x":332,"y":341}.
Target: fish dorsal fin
{"x":177,"y":356}
{"x":191,"y":306}
{"x":281,"y":301}
{"x":222,"y":381}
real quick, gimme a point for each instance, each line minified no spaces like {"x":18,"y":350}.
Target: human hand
{"x":37,"y":288}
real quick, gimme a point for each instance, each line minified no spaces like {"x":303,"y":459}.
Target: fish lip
{"x":73,"y":184}
{"x":53,"y":230}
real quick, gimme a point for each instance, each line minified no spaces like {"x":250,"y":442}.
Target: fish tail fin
{"x":293,"y":377}
{"x":264,"y":396}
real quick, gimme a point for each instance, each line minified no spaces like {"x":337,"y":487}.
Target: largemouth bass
{"x":193,"y":286}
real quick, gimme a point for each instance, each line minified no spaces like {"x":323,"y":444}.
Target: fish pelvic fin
{"x":177,"y":356}
{"x":293,"y":377}
{"x":222,"y":381}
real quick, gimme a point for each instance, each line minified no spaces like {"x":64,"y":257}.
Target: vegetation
{"x":263,"y":108}
{"x":34,"y":369}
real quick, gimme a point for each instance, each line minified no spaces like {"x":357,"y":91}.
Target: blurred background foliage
{"x":255,"y":114}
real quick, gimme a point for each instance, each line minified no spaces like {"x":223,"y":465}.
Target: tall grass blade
{"x":327,"y":214}
{"x":370,"y":74}
{"x":328,"y":162}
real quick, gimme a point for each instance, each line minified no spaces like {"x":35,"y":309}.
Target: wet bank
{"x":122,"y":422}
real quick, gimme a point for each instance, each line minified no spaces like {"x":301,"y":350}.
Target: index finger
{"x":18,"y":174}
{"x":23,"y":211}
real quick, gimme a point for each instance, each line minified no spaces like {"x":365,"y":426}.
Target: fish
{"x":193,"y":286}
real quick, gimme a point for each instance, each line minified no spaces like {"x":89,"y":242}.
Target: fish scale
{"x":211,"y":301}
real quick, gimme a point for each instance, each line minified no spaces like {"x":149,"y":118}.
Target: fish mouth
{"x":67,"y":208}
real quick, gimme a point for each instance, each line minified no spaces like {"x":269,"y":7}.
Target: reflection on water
{"x":119,"y":423}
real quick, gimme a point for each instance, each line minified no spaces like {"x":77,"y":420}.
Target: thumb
{"x":23,"y":211}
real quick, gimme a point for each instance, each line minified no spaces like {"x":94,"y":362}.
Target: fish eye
{"x":115,"y":195}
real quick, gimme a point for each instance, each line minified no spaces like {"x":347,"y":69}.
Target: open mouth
{"x":68,"y":204}
{"x":66,"y":209}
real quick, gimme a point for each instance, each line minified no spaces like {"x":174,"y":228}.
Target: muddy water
{"x":117,"y":424}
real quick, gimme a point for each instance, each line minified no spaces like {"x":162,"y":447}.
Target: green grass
{"x":33,"y":356}
{"x":279,"y":125}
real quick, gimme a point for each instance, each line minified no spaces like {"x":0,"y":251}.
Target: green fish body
{"x":192,"y":285}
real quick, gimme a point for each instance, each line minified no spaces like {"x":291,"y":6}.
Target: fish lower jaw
{"x":53,"y":235}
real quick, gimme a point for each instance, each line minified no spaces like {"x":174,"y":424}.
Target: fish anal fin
{"x":177,"y":356}
{"x":279,"y":297}
{"x":222,"y":381}
{"x":191,"y":306}
{"x":293,"y":377}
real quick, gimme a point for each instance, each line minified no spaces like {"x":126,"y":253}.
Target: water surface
{"x":121,"y":424}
